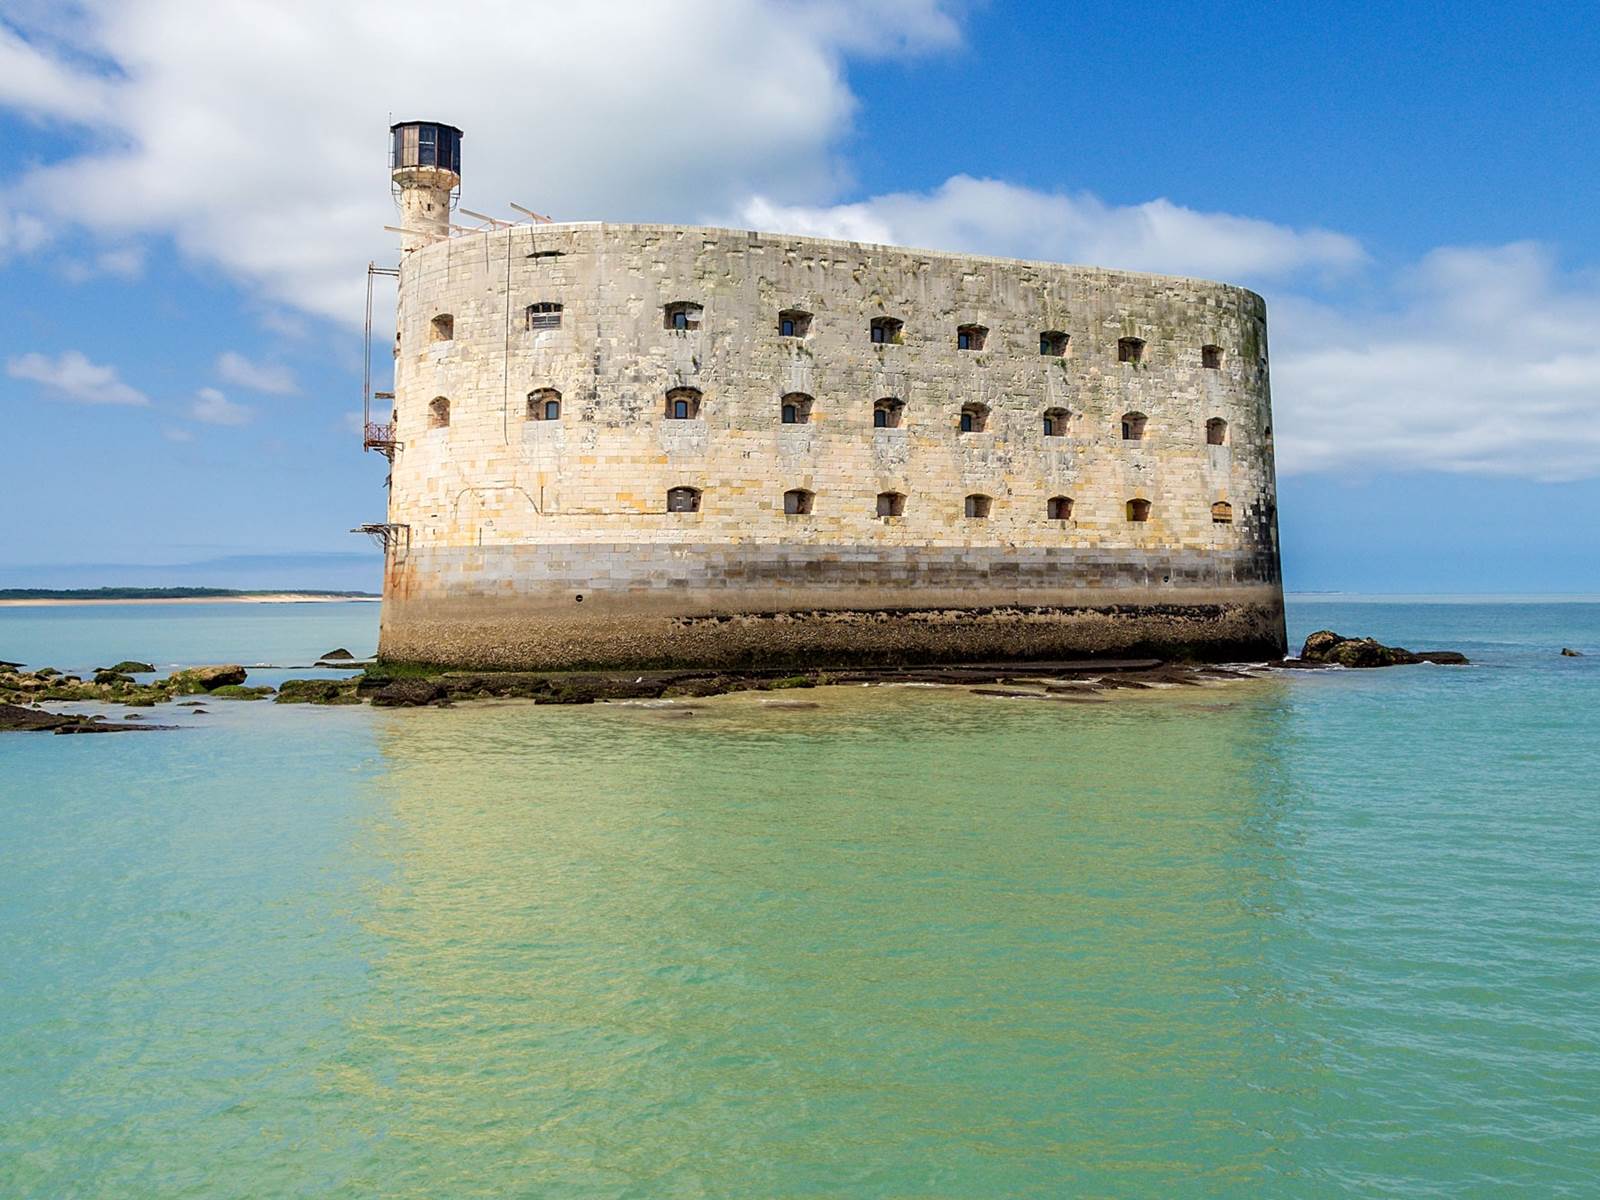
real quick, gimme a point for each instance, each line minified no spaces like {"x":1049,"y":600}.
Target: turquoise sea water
{"x":1326,"y":935}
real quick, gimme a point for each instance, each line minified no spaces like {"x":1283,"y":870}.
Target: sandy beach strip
{"x":251,"y":598}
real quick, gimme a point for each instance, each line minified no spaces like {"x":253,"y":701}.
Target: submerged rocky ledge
{"x":22,"y":693}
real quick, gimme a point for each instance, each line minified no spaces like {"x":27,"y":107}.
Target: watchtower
{"x":425,"y":174}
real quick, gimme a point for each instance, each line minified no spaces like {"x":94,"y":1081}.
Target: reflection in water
{"x":1333,"y":935}
{"x":909,"y":942}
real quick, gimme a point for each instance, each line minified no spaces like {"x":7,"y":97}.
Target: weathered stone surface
{"x":534,"y":543}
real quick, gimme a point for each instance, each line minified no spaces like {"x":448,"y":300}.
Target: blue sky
{"x":191,"y":207}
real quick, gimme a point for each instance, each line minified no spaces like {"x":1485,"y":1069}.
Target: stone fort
{"x":618,"y":445}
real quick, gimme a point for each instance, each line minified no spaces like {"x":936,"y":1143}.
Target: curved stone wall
{"x":512,"y":517}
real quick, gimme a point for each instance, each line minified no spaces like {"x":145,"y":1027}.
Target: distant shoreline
{"x":223,"y":598}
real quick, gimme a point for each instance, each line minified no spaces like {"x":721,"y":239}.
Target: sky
{"x":193,"y":196}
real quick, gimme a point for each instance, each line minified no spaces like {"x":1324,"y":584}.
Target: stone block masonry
{"x":542,"y":537}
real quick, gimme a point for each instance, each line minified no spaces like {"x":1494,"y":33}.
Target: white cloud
{"x":1482,"y":361}
{"x":75,"y":378}
{"x":175,"y":434}
{"x":212,"y":407}
{"x":43,"y":85}
{"x":991,"y":217}
{"x":124,"y":262}
{"x":250,"y":141}
{"x":20,"y":233}
{"x":256,"y":138}
{"x":273,"y":378}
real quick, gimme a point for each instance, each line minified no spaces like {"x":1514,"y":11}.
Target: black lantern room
{"x":424,"y":144}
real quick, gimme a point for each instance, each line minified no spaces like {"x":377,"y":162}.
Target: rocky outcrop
{"x":1325,"y":647}
{"x":1569,"y":652}
{"x":318,"y":691}
{"x":15,"y":718}
{"x":339,"y":655}
{"x":131,"y":666}
{"x":205,"y":679}
{"x":408,"y":693}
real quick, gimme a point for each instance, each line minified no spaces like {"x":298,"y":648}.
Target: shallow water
{"x":1326,"y":935}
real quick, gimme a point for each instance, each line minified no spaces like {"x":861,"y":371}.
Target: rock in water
{"x":318,"y":691}
{"x":407,"y":693}
{"x":1569,"y":652}
{"x":1326,"y":646}
{"x":206,"y":679}
{"x":339,"y":655}
{"x":131,"y":666}
{"x":13,"y":716}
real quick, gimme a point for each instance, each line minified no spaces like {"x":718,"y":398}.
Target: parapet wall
{"x":511,"y":519}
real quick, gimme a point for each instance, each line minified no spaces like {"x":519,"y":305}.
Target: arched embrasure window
{"x":1211,"y":357}
{"x":1222,"y":513}
{"x":1053,"y":343}
{"x":682,"y":315}
{"x":1216,"y":432}
{"x":683,"y":500}
{"x":1059,"y":508}
{"x":544,"y":404}
{"x":443,"y":328}
{"x":683,"y":404}
{"x":886,"y":413}
{"x":438,"y":413}
{"x":971,"y":337}
{"x":1138,"y":509}
{"x":974,"y":417}
{"x":795,"y":409}
{"x":1055,"y":422}
{"x":794,"y":322}
{"x":1130,"y":350}
{"x":977,"y":506}
{"x":891,"y":504}
{"x":1133,"y":426}
{"x":797,"y":502}
{"x":887,"y":330}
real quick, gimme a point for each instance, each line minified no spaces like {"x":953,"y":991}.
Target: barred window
{"x":544,"y":315}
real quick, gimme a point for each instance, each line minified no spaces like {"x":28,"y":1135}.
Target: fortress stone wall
{"x":533,"y":542}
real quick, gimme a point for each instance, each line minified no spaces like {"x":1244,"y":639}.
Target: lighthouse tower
{"x":425,"y":167}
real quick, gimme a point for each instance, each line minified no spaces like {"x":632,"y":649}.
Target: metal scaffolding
{"x":375,"y":435}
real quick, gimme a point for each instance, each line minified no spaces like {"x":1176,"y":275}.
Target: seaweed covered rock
{"x":205,"y":679}
{"x":33,"y":720}
{"x":318,"y":691}
{"x":130,"y":666}
{"x":238,"y":691}
{"x":408,"y":693}
{"x":1326,"y":646}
